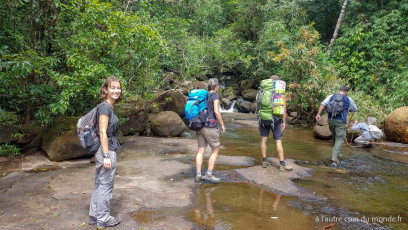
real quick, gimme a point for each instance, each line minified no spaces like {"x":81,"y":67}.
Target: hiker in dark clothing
{"x":105,"y":157}
{"x":209,"y":135}
{"x":337,"y":121}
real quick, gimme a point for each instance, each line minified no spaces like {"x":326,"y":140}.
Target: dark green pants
{"x":338,"y":128}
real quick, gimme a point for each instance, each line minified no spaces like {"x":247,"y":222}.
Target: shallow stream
{"x":366,"y":192}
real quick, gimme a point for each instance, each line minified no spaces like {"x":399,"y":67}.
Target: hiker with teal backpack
{"x":338,"y":105}
{"x":272,"y":117}
{"x":208,"y":135}
{"x":107,"y":124}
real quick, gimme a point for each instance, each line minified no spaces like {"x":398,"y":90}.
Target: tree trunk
{"x":339,"y":20}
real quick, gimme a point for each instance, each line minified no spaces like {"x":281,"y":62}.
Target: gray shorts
{"x":266,"y":126}
{"x":208,"y":136}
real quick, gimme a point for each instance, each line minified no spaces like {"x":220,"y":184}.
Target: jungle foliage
{"x":55,"y":54}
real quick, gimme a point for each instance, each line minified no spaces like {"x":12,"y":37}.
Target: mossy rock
{"x":132,"y":112}
{"x":171,"y":100}
{"x":25,"y":136}
{"x":60,"y":141}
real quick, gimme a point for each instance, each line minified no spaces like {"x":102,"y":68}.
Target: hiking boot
{"x":265,"y":164}
{"x":211,"y":179}
{"x":367,"y":145}
{"x":198,"y":178}
{"x":112,"y":221}
{"x":285,"y":168}
{"x":333,"y":164}
{"x":92,"y":220}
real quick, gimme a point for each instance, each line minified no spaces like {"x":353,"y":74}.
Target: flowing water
{"x":366,"y":192}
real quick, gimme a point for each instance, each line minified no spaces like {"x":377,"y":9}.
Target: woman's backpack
{"x":87,"y":131}
{"x":196,"y":109}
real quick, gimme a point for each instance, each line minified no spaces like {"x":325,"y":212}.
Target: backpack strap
{"x":259,"y":103}
{"x":271,"y":99}
{"x":195,"y":102}
{"x":206,"y":115}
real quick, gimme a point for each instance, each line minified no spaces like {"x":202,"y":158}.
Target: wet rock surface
{"x":154,"y":185}
{"x":51,"y":195}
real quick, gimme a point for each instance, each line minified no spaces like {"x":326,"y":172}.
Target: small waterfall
{"x":231,"y":109}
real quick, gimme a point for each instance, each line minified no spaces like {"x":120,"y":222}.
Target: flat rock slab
{"x":270,"y":178}
{"x":391,"y":144}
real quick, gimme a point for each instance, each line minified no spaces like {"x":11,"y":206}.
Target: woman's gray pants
{"x":102,"y":193}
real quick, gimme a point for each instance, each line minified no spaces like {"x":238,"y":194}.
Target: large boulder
{"x":245,"y":106}
{"x":170,"y":79}
{"x":167,"y":124}
{"x":321,"y":129}
{"x":324,"y":120}
{"x":200,"y":85}
{"x":225,"y":103}
{"x":185,"y":87}
{"x":60,"y":142}
{"x":7,"y":134}
{"x":253,"y":107}
{"x":134,"y":112}
{"x":249,"y":94}
{"x":26,"y":136}
{"x":396,"y":125}
{"x":246,"y":84}
{"x":322,"y":132}
{"x":172,"y":100}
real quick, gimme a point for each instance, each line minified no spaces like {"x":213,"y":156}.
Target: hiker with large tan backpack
{"x":338,"y":105}
{"x":272,"y":117}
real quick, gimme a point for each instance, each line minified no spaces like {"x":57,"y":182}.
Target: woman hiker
{"x":107,"y":126}
{"x":209,"y":134}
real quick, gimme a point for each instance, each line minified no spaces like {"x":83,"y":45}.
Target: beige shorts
{"x":208,"y":136}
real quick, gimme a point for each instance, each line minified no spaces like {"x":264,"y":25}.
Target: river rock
{"x":322,"y":132}
{"x":253,"y":107}
{"x":396,"y":125}
{"x":134,"y":112}
{"x":7,"y":134}
{"x":61,"y":142}
{"x":246,"y":84}
{"x":324,"y":119}
{"x":244,"y":106}
{"x":293,"y":114}
{"x":226,"y":103}
{"x":249,"y":94}
{"x":167,"y":124}
{"x":185,"y":87}
{"x":170,"y":79}
{"x":200,"y":85}
{"x":171,"y":100}
{"x":25,"y":136}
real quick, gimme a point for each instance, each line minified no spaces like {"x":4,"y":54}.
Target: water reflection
{"x":244,"y":206}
